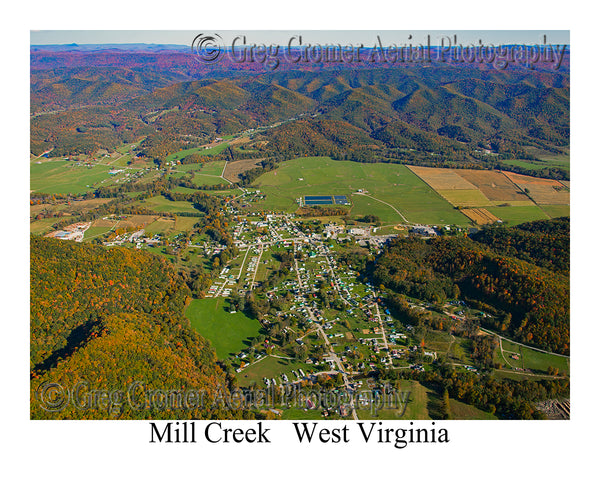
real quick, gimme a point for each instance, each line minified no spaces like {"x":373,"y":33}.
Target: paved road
{"x":523,"y":345}
{"x":256,"y":268}
{"x":243,"y":263}
{"x":385,"y":343}
{"x":332,"y":354}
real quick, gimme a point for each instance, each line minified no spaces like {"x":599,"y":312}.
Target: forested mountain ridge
{"x":109,"y":319}
{"x":402,"y":114}
{"x":543,"y":242}
{"x":530,"y":303}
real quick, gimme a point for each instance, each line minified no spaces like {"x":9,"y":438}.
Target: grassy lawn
{"x":438,"y":341}
{"x":391,"y":183}
{"x":228,"y":332}
{"x":200,"y":179}
{"x":270,"y":367}
{"x":224,"y":193}
{"x":301,"y":414}
{"x":534,"y":360}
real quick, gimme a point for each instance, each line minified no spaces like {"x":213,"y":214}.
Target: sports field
{"x":228,"y":332}
{"x":386,"y":184}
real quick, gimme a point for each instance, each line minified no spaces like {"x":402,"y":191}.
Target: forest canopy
{"x":107,"y":319}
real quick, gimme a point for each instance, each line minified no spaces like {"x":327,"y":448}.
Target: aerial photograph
{"x":299,"y":225}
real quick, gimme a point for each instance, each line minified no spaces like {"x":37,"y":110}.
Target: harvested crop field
{"x":472,"y":188}
{"x":234,"y":169}
{"x":495,"y":186}
{"x":131,"y":221}
{"x":161,"y":225}
{"x":480,"y":215}
{"x":543,"y":191}
{"x":465,"y":198}
{"x":442,"y":178}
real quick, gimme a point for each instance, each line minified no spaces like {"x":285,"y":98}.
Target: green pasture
{"x":391,"y":183}
{"x":161,"y":204}
{"x":511,"y":215}
{"x":229,"y":333}
{"x":270,"y":367}
{"x":66,"y":177}
{"x":198,"y":150}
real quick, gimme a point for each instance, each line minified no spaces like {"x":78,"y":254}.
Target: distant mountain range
{"x":93,"y":47}
{"x":101,"y":98}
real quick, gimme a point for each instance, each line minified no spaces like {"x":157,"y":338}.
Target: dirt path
{"x":385,"y":203}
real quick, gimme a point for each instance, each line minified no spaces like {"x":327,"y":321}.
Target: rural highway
{"x":523,"y":345}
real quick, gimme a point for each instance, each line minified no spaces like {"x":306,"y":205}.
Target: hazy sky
{"x":367,"y":37}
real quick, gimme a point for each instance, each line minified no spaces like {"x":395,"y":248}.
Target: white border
{"x":491,"y":450}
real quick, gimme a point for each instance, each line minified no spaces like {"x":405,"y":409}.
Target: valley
{"x":361,"y":232}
